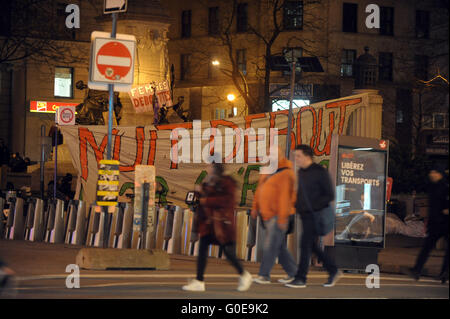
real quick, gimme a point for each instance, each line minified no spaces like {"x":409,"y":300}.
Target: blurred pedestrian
{"x":314,"y":193}
{"x":216,"y":225}
{"x":274,"y":202}
{"x":6,"y":277}
{"x":437,"y":226}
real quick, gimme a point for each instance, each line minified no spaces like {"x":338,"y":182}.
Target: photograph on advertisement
{"x":360,"y":197}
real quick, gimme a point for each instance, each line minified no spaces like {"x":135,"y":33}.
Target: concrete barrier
{"x":29,"y":220}
{"x":17,"y":229}
{"x":160,"y":227}
{"x":79,"y":234}
{"x":102,"y":259}
{"x":71,"y":224}
{"x":57,"y":234}
{"x":38,"y":231}
{"x":127,"y":227}
{"x":49,"y":220}
{"x":174,"y":246}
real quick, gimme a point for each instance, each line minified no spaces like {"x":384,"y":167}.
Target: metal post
{"x":144,"y":199}
{"x":111,"y":94}
{"x":42,"y":160}
{"x":288,"y":136}
{"x":56,"y":162}
{"x":110,"y":118}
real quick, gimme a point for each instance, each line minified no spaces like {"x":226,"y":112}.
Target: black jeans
{"x":428,"y":246}
{"x":229,"y":250}
{"x":309,"y":244}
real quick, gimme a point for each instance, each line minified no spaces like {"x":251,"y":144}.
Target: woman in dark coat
{"x":215,"y":223}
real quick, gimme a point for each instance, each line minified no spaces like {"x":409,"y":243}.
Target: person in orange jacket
{"x":274,"y":202}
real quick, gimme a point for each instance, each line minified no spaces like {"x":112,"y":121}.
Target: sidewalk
{"x":30,"y":258}
{"x":401,"y":253}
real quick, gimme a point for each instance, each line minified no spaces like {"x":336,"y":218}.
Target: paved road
{"x":41,"y":273}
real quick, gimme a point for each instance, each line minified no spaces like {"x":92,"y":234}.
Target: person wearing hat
{"x":437,"y":225}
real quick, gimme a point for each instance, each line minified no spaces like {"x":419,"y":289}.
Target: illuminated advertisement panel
{"x":361,"y":181}
{"x":47,"y":107}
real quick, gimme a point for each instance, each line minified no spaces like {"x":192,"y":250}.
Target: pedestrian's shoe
{"x":286,"y":280}
{"x":414,"y":274}
{"x":296,"y":283}
{"x":245,"y":281}
{"x":333,"y":279}
{"x":262,"y":280}
{"x":195,"y":285}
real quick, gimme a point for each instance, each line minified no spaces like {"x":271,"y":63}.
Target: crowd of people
{"x":14,"y":161}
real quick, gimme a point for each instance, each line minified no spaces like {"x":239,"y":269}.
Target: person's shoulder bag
{"x":323,"y":219}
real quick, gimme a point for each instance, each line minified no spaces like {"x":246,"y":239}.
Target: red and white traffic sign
{"x":112,"y":61}
{"x":383,"y":144}
{"x":65,"y":115}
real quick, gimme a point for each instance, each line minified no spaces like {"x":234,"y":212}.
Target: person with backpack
{"x":274,"y":202}
{"x":314,"y":193}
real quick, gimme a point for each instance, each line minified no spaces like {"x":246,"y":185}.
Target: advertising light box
{"x":359,"y":170}
{"x":47,"y":107}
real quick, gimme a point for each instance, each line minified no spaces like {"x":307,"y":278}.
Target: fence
{"x":77,"y":223}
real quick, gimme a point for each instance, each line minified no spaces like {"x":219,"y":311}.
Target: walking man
{"x":437,"y":225}
{"x":274,"y":202}
{"x":315,"y":192}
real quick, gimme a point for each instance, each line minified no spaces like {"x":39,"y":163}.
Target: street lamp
{"x":231,"y":97}
{"x":216,"y":63}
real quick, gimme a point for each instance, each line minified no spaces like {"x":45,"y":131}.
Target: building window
{"x":350,"y":17}
{"x":435,"y":121}
{"x":186,"y":24}
{"x":422,"y":24}
{"x":185,"y":70}
{"x":63,"y":82}
{"x":221,"y":114}
{"x":348,"y":58}
{"x":385,"y":70}
{"x":421,"y":67}
{"x":213,"y":21}
{"x":292,"y":54}
{"x":242,"y":17}
{"x":387,"y":21}
{"x":241,"y":59}
{"x":293,"y":15}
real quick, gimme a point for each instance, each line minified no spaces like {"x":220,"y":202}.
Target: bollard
{"x":168,"y":229}
{"x":49,"y":220}
{"x":117,"y":225}
{"x":251,"y":237}
{"x":38,"y":230}
{"x":113,"y":216}
{"x":103,"y":218}
{"x":57,"y":235}
{"x":193,"y":247}
{"x":29,"y":221}
{"x":72,"y":211}
{"x":94,"y":221}
{"x":174,"y":246}
{"x":260,"y":237}
{"x":79,"y":234}
{"x":241,"y":233}
{"x":127,"y":228}
{"x":186,"y":231}
{"x":19,"y":220}
{"x":10,"y":220}
{"x":160,"y":227}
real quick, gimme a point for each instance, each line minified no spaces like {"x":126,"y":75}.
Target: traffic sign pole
{"x":108,"y":154}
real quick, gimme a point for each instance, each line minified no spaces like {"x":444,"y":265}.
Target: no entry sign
{"x":112,"y":60}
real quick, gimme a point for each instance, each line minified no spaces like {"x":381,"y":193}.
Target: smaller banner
{"x":108,"y":183}
{"x":163,"y":94}
{"x":142,"y":96}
